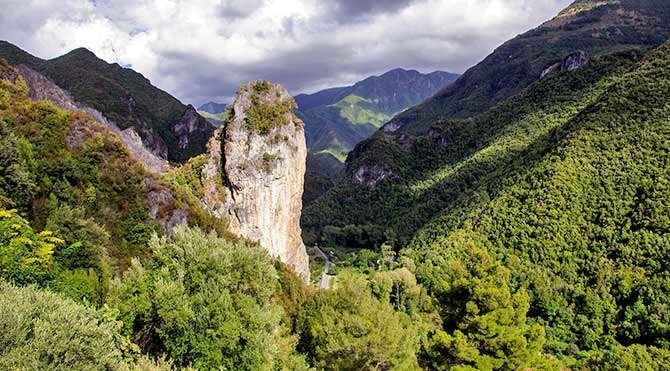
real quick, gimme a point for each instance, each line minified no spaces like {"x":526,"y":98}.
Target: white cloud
{"x":203,"y":49}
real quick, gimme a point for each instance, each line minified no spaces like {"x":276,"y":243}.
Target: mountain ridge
{"x":170,"y":129}
{"x":213,"y":107}
{"x":336,"y":119}
{"x":593,"y":26}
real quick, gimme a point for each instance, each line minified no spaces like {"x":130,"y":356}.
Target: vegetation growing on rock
{"x":261,"y":116}
{"x":535,"y":236}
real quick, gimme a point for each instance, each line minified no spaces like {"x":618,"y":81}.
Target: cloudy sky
{"x":202,"y":50}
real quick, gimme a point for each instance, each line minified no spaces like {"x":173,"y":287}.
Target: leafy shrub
{"x":85,"y":241}
{"x":262,"y":117}
{"x":261,"y":86}
{"x":42,"y":331}
{"x":25,"y":255}
{"x":16,"y":180}
{"x":347,"y":328}
{"x":205,"y":301}
{"x":483,"y":321}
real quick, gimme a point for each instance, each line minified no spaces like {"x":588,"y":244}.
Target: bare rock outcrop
{"x":189,"y":124}
{"x":7,"y":72}
{"x":370,"y":176}
{"x":572,"y":62}
{"x":258,"y":161}
{"x":391,"y":126}
{"x":163,"y":206}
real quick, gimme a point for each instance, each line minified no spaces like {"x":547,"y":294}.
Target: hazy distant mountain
{"x":167,"y":127}
{"x":337,"y":119}
{"x":213,"y":112}
{"x":212,"y":107}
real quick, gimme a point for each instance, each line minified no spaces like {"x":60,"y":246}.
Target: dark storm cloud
{"x":347,"y":10}
{"x":202,"y":50}
{"x":239,"y":9}
{"x":318,"y":64}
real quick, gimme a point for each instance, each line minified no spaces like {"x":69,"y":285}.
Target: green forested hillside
{"x":339,"y":118}
{"x":122,"y":95}
{"x":565,"y":185}
{"x":65,"y":172}
{"x":436,"y":170}
{"x":582,"y":220}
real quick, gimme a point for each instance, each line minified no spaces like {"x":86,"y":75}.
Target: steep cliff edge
{"x":254,"y":175}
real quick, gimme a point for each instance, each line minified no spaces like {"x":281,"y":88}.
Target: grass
{"x":358,"y":110}
{"x":218,"y":117}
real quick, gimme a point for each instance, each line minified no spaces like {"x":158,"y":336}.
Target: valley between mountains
{"x":515,"y":217}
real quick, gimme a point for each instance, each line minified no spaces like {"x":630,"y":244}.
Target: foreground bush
{"x":347,"y":328}
{"x":40,"y":330}
{"x":204,"y":301}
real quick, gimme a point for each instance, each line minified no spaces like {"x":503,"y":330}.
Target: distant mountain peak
{"x":81,"y":54}
{"x":81,"y":51}
{"x":401,"y":70}
{"x":212,"y":107}
{"x":337,"y":119}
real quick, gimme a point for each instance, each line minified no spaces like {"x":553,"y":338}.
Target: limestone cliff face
{"x":257,"y":160}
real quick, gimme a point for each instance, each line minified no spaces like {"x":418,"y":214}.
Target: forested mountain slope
{"x":581,"y":218}
{"x":565,"y":184}
{"x":167,"y":127}
{"x":411,"y":179}
{"x":388,"y":173}
{"x":594,"y":26}
{"x":337,"y":119}
{"x":64,"y":170}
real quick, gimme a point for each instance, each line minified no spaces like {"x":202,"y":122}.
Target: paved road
{"x":325,"y":278}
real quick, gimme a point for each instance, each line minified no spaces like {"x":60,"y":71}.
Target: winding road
{"x":325,"y":278}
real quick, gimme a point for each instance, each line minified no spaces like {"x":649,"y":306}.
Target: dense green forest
{"x":564,"y":185}
{"x":534,"y":236}
{"x":436,"y":170}
{"x":582,"y":219}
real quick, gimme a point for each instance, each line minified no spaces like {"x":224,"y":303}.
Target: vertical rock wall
{"x":258,"y":160}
